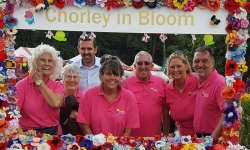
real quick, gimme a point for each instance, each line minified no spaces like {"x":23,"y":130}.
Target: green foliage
{"x":245,"y":121}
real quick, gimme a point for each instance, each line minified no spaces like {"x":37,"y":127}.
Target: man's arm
{"x":126,"y":132}
{"x":217,"y":131}
{"x":85,"y":128}
{"x":165,"y":119}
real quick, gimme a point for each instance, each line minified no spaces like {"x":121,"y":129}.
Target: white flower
{"x":15,"y":114}
{"x":186,"y":139}
{"x":230,"y":80}
{"x":200,"y":146}
{"x":99,"y":139}
{"x":43,"y":146}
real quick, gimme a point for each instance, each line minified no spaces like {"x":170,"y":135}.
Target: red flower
{"x":179,"y":145}
{"x":55,"y":143}
{"x":3,"y":145}
{"x":239,"y":84}
{"x":231,"y":5}
{"x":138,"y":5}
{"x":157,"y":137}
{"x":3,"y":56}
{"x":230,"y":67}
{"x":194,"y":139}
{"x":225,"y":133}
{"x":59,"y":3}
{"x":79,"y":138}
{"x":229,"y":28}
{"x":247,"y":6}
{"x":211,"y":148}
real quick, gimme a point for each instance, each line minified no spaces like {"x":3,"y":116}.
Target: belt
{"x":48,"y":130}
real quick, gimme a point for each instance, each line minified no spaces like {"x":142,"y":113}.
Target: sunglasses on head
{"x":146,"y":63}
{"x":178,"y":54}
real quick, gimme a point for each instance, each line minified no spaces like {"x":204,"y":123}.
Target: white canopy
{"x":24,"y":52}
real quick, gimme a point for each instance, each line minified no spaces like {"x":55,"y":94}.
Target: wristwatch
{"x":39,"y":82}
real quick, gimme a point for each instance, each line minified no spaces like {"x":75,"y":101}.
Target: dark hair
{"x":206,"y":49}
{"x":110,"y":64}
{"x":86,"y":38}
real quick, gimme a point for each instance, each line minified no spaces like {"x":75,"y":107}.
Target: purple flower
{"x":231,"y":114}
{"x":87,"y":144}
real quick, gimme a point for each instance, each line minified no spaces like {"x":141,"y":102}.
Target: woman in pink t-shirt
{"x":39,"y":95}
{"x":181,"y":92}
{"x":108,"y":108}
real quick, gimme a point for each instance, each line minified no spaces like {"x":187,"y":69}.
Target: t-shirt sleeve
{"x":58,"y":89}
{"x":20,"y":93}
{"x":133,"y":115}
{"x":124,"y":84}
{"x":84,"y":110}
{"x":219,"y":100}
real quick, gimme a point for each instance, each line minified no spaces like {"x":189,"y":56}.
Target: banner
{"x":127,"y":20}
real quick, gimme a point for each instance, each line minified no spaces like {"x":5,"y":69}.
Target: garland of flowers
{"x":235,"y":67}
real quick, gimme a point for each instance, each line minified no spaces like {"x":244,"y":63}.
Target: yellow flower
{"x":242,"y":67}
{"x":245,"y":97}
{"x":190,"y":146}
{"x":241,"y":2}
{"x":110,"y":138}
{"x":50,"y":1}
{"x":180,"y":3}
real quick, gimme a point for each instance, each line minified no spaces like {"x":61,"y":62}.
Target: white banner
{"x":129,"y":20}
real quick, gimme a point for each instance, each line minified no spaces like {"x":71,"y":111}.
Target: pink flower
{"x":239,"y":110}
{"x":236,"y":125}
{"x":244,"y":23}
{"x":189,"y":6}
{"x":234,"y":139}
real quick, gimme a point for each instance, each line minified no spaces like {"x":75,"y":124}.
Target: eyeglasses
{"x":146,"y":63}
{"x":69,"y":77}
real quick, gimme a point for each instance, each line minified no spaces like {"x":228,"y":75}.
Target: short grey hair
{"x":70,"y":68}
{"x":143,"y":53}
{"x":44,"y":48}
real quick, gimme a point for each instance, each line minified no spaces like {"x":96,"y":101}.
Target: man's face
{"x":203,"y":64}
{"x":87,"y":50}
{"x":143,"y":67}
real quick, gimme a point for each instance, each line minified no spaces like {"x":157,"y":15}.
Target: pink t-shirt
{"x":182,"y":104}
{"x":105,"y":117}
{"x":150,"y":98}
{"x":79,"y":94}
{"x":36,"y":112}
{"x":209,"y":103}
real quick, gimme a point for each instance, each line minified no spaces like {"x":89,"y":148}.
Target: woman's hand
{"x":36,"y":74}
{"x":73,"y":114}
{"x":30,"y":132}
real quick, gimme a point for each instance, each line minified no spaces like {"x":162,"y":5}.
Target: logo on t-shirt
{"x":119,"y":112}
{"x":153,"y":90}
{"x":204,"y":94}
{"x":191,"y":94}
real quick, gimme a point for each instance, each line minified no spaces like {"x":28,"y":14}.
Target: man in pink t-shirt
{"x":149,"y":91}
{"x":209,"y":103}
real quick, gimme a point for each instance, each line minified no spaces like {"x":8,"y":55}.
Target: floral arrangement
{"x":235,"y":68}
{"x":110,"y":142}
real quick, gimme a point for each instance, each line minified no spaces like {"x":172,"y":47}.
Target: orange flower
{"x":228,"y":93}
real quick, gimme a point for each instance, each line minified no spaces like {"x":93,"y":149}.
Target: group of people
{"x":93,"y":98}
